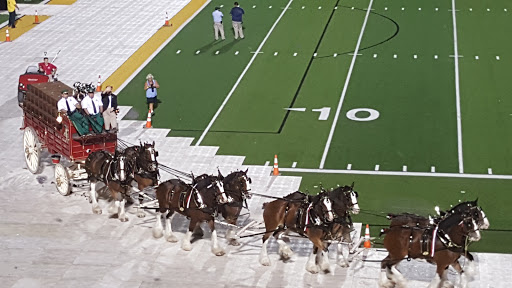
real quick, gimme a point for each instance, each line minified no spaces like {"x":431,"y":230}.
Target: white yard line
{"x":457,"y":90}
{"x":397,"y":173}
{"x":347,"y":80}
{"x":241,"y":76}
{"x":118,"y":90}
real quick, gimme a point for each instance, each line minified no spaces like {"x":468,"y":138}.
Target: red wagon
{"x":43,"y":131}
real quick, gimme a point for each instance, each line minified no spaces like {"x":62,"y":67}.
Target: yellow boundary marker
{"x":61,"y":2}
{"x":147,"y":49}
{"x":23,"y":25}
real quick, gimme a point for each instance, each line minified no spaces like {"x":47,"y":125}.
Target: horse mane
{"x":463,"y":206}
{"x":451,"y":220}
{"x":297,"y":195}
{"x":232,"y":175}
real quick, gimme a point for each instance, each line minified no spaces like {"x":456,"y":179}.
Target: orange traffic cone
{"x":98,"y":87}
{"x":167,"y":19}
{"x":7,"y":37}
{"x":148,"y":122}
{"x":276,"y":167}
{"x":36,"y":21}
{"x":367,"y":243}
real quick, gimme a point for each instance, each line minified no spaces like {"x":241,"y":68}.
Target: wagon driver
{"x":47,"y":68}
{"x":93,"y":108}
{"x":69,"y":106}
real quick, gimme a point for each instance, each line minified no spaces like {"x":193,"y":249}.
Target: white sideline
{"x":241,"y":76}
{"x":397,"y":173}
{"x":347,"y":80}
{"x":457,"y":90}
{"x":150,"y":58}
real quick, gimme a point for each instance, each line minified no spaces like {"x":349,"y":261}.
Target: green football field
{"x":363,"y":88}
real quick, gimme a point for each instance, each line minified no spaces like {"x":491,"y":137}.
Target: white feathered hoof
{"x":187,"y":246}
{"x":343,"y":264}
{"x":112,"y":209}
{"x":141,"y":214}
{"x":123,"y":218}
{"x":326,"y":268}
{"x":386,"y":284}
{"x":469,"y":269}
{"x":172,"y":238}
{"x":265,"y":261}
{"x":446,"y":284}
{"x":96,"y":210}
{"x":218,"y":251}
{"x":157,"y":232}
{"x":233,"y":242}
{"x":285,"y":252}
{"x":384,"y":281}
{"x":312,"y":268}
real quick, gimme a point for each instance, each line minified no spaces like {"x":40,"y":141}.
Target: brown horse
{"x":300,"y":213}
{"x":199,"y":202}
{"x":146,"y":169}
{"x":441,"y":244}
{"x":345,"y":202}
{"x":116,"y":172}
{"x":237,"y":187}
{"x":469,"y":208}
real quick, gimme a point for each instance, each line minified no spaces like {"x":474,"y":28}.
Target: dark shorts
{"x":152,"y":100}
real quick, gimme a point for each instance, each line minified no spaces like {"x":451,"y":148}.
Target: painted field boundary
{"x":398,"y":173}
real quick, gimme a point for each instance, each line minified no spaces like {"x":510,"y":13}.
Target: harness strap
{"x":434,"y":237}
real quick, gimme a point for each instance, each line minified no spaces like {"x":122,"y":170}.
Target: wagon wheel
{"x":62,"y":180}
{"x":32,"y":150}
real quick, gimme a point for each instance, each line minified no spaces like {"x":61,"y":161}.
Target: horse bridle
{"x":220,"y":187}
{"x":247,"y":181}
{"x":326,"y":202}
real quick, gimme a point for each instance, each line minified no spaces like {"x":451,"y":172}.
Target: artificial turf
{"x":414,"y":93}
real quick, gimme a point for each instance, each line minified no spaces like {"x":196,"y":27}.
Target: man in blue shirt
{"x":236,"y":17}
{"x":217,"y":23}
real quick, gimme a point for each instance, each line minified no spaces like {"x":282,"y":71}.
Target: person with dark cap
{"x":93,"y":108}
{"x":68,"y":105}
{"x":217,"y":24}
{"x":236,"y":18}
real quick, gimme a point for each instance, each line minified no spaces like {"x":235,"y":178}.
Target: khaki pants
{"x":218,"y":27}
{"x":110,"y":118}
{"x":237,"y":26}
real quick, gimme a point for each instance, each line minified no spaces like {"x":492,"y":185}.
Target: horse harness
{"x":428,"y":240}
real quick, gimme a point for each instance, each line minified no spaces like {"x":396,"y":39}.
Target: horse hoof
{"x":96,"y":210}
{"x":218,"y":252}
{"x":186,"y":247}
{"x":343,"y":264}
{"x":141,"y":214}
{"x":265,"y":261}
{"x":173,"y":239}
{"x":312,"y":269}
{"x":234,"y":243}
{"x":157,"y":233}
{"x":123,"y":219}
{"x":286,"y":254}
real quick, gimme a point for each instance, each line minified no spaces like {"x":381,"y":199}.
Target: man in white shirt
{"x":67,"y":105}
{"x":93,"y":108}
{"x":217,"y":23}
